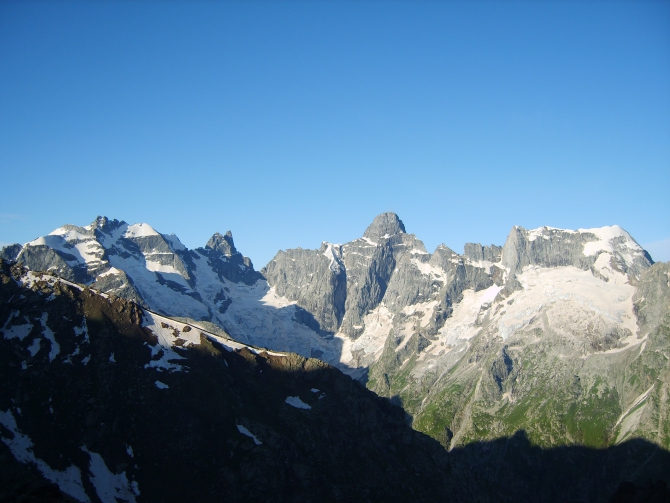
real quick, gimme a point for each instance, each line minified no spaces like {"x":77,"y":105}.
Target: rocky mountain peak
{"x":105,"y":224}
{"x":386,"y":224}
{"x":222,"y":243}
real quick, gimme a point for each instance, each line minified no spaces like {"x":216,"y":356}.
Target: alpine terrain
{"x":540,"y":366}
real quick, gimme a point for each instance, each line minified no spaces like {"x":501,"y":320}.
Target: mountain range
{"x":561,"y":335}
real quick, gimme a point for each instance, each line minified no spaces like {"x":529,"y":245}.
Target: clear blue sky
{"x":290,"y":123}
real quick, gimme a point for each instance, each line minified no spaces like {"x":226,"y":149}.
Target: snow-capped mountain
{"x":215,"y":284}
{"x":533,"y":335}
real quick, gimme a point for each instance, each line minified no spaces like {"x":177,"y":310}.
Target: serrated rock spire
{"x":222,"y":243}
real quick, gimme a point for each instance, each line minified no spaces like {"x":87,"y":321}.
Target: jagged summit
{"x":224,"y":244}
{"x":386,"y":224}
{"x":105,"y":224}
{"x":137,"y":262}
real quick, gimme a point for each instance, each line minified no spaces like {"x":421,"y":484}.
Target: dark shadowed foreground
{"x":88,"y":412}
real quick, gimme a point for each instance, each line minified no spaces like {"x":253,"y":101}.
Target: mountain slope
{"x":108,"y":400}
{"x":105,"y":401}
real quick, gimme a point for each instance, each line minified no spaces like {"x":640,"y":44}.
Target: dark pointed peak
{"x":223,"y":244}
{"x":386,"y":224}
{"x":105,"y":224}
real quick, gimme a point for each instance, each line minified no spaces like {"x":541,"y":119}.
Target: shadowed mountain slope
{"x":105,"y":398}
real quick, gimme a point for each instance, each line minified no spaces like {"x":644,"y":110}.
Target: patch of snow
{"x":109,"y":486}
{"x":162,"y":353}
{"x":167,"y":340}
{"x":260,"y":317}
{"x":142,"y":273}
{"x":83,"y":330}
{"x":90,"y":251}
{"x":423,"y":310}
{"x":314,"y":390}
{"x":71,"y":234}
{"x":630,"y":419}
{"x":369,"y":345}
{"x":427,"y":269}
{"x":18,"y":331}
{"x":161,"y":385}
{"x":295,"y":401}
{"x":462,"y":323}
{"x":603,"y":266}
{"x":367,"y":240}
{"x":111,"y":358}
{"x":635,"y":403}
{"x":481,"y":264}
{"x":154,"y":266}
{"x":605,"y":236}
{"x":35,"y":346}
{"x":329,"y":253}
{"x":112,"y":271}
{"x":533,"y":234}
{"x":246,"y":432}
{"x":49,"y":335}
{"x":59,"y":243}
{"x":29,"y":279}
{"x":586,"y":295}
{"x":140,"y":231}
{"x":68,"y":480}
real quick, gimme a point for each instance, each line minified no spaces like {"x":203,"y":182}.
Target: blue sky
{"x":290,"y":123}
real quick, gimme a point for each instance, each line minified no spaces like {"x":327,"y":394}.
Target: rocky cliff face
{"x":534,"y":335}
{"x":339,"y":284}
{"x":386,"y":265}
{"x":317,"y":278}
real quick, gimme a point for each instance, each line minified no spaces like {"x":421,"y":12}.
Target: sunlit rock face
{"x":533,"y":335}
